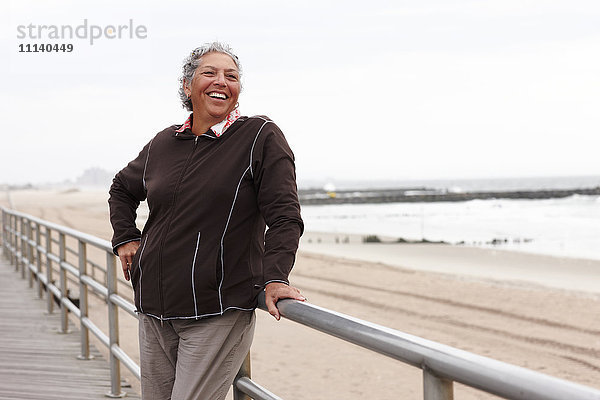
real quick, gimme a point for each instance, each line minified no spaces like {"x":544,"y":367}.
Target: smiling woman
{"x":212,"y":185}
{"x":214,"y":90}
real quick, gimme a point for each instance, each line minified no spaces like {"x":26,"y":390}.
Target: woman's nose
{"x":220,"y":79}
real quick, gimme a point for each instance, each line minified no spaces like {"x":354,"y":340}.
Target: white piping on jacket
{"x":223,"y":236}
{"x":193,"y":280}
{"x":140,"y":267}
{"x":276,"y":280}
{"x":198,"y":316}
{"x":253,"y":143}
{"x":146,"y":165}
{"x":116,"y":246}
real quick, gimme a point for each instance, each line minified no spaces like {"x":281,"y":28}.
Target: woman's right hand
{"x":126,"y":252}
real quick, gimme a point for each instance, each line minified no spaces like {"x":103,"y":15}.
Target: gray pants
{"x":193,"y":359}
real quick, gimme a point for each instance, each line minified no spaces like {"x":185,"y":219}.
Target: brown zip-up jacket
{"x":203,"y":249}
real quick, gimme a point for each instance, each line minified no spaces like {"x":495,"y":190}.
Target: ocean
{"x":566,"y":227}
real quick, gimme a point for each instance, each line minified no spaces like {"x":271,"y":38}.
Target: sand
{"x":518,"y":268}
{"x":534,"y":311}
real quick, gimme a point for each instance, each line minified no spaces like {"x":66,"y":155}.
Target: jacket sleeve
{"x":275,"y":181}
{"x":126,"y":193}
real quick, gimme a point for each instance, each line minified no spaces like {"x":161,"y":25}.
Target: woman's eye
{"x":234,"y":77}
{"x":208,"y":73}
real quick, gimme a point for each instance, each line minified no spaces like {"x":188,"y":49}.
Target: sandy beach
{"x":534,"y":311}
{"x":487,"y":264}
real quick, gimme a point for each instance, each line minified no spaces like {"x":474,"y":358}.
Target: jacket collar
{"x":216,"y":130}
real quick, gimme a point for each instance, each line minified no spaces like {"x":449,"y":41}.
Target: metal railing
{"x":29,"y":243}
{"x":40,"y":249}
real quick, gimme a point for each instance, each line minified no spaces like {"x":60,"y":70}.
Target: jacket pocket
{"x":200,"y":275}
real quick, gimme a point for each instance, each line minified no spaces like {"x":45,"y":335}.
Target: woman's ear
{"x":186,"y":88}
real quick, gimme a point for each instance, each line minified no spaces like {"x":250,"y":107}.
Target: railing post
{"x":13,"y":255}
{"x":62,"y":256}
{"x":30,"y":264}
{"x":245,"y":371}
{"x":49,"y":296}
{"x":436,"y":388}
{"x":17,"y":243}
{"x":23,"y":247}
{"x":83,"y":302}
{"x":113,"y":327}
{"x":4,"y":235}
{"x":13,"y":239}
{"x":10,"y":237}
{"x":38,"y":242}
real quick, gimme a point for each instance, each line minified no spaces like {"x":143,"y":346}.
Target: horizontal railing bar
{"x":495,"y":377}
{"x":54,"y":289}
{"x":126,"y":360}
{"x":103,"y":270}
{"x":94,"y":265}
{"x":73,"y":270}
{"x":42,"y":278}
{"x":96,"y":331}
{"x":85,"y":237}
{"x":69,"y":304}
{"x":254,"y":390}
{"x":124,"y":304}
{"x":96,"y":286}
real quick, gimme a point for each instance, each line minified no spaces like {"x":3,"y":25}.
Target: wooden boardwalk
{"x":36,"y":361}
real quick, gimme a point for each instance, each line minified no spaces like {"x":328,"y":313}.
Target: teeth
{"x":218,"y":95}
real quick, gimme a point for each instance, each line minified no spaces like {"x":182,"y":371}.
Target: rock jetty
{"x":415,"y":195}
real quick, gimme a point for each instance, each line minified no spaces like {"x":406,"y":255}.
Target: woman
{"x":211,"y":185}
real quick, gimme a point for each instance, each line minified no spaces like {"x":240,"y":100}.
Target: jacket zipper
{"x":162,"y":244}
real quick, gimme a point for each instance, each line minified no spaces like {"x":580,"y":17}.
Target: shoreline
{"x":466,"y":262}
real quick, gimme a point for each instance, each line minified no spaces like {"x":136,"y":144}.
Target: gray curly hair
{"x":191,"y":63}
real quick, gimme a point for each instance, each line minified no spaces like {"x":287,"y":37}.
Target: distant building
{"x":95,"y":177}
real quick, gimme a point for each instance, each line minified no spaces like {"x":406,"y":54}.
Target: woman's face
{"x":215,"y":88}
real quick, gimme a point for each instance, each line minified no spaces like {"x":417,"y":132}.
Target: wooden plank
{"x":36,"y":360}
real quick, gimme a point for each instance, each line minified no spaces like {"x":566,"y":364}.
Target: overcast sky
{"x":362,"y":89}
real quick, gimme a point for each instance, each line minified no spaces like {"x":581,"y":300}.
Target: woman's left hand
{"x":126,"y":253}
{"x":276,"y":291}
